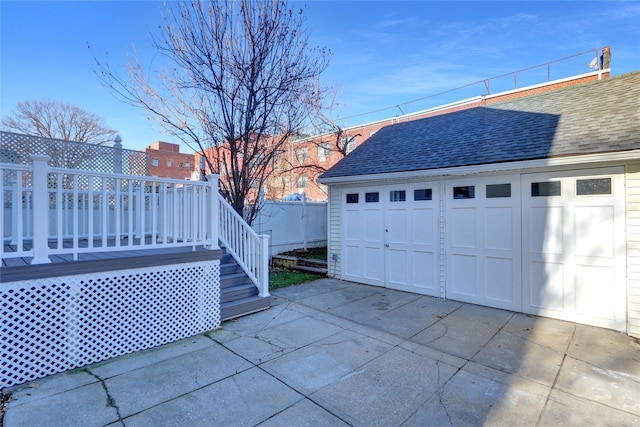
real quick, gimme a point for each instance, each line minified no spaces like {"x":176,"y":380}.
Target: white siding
{"x":333,"y":241}
{"x":633,"y":249}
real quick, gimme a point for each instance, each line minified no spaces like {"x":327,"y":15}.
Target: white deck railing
{"x":54,"y":211}
{"x":62,"y":211}
{"x":247,"y":247}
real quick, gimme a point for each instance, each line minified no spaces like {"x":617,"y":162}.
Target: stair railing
{"x":249,"y":249}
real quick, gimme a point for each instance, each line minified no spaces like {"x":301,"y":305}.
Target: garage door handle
{"x":386,"y":244}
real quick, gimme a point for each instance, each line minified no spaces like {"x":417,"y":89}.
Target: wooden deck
{"x":96,"y":261}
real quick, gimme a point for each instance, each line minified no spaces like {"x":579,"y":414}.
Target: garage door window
{"x":397,"y":196}
{"x":590,"y":187}
{"x":495,"y":191}
{"x":352,"y":198}
{"x":545,"y":189}
{"x":422,"y":194}
{"x":371,"y":197}
{"x":466,"y":192}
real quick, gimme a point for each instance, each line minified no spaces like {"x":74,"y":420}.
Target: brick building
{"x":166,"y":161}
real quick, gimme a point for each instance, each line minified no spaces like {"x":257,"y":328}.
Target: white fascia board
{"x":620,"y":156}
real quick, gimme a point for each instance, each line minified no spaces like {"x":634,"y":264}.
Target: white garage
{"x":548,"y":243}
{"x":531,"y":205}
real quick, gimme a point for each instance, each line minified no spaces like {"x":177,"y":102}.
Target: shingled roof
{"x":598,"y":117}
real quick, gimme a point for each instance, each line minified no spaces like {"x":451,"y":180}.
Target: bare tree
{"x":231,"y":80}
{"x":57,"y":120}
{"x":324,"y":134}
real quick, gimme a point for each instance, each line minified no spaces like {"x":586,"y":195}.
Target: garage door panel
{"x":398,"y":274}
{"x":595,"y":294}
{"x":463,"y":273}
{"x":549,"y":296}
{"x":593,"y":221}
{"x":463,"y":226}
{"x":499,"y":274}
{"x":353,"y":225}
{"x":372,"y":223}
{"x":545,"y":230}
{"x":354,"y":261}
{"x":397,"y":226}
{"x":373,"y":264}
{"x":421,"y":226}
{"x":424,"y":266}
{"x":498,"y":228}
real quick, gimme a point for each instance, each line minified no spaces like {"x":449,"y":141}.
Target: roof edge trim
{"x":489,"y":167}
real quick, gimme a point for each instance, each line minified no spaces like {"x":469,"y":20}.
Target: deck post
{"x":40,"y":205}
{"x":213,"y":211}
{"x":264,"y":266}
{"x":16,"y":197}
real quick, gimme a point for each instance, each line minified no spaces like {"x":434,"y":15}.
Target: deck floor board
{"x":20,"y":268}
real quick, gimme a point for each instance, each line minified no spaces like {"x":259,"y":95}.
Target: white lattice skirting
{"x":60,"y":323}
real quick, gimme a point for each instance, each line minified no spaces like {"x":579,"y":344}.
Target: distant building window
{"x":302,"y":154}
{"x":256,"y":160}
{"x":495,"y":191}
{"x":397,"y":196}
{"x":590,"y":187}
{"x":466,"y":192}
{"x":154,"y":162}
{"x":352,"y":198}
{"x":422,"y":194}
{"x":302,"y":181}
{"x":187,"y":165}
{"x":349,"y":144}
{"x":371,"y":197}
{"x":169,"y":163}
{"x":323,"y":151}
{"x":546,"y":189}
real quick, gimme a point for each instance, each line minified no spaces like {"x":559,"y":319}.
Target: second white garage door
{"x":483,"y":241}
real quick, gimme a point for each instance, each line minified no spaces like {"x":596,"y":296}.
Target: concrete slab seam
{"x":111,"y":402}
{"x":555,"y":380}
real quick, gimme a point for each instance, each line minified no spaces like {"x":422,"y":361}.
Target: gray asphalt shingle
{"x":596,"y":117}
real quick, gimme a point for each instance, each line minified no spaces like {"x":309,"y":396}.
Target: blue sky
{"x":384,"y":53}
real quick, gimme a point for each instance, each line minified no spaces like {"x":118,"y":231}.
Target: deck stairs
{"x":238,"y":294}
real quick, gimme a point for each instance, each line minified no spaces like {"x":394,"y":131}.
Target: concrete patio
{"x":336,"y":353}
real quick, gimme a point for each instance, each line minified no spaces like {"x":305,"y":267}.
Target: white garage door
{"x":574,"y":246}
{"x":483,"y":241}
{"x":391,"y":237}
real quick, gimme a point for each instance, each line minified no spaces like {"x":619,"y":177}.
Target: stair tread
{"x":244,"y":301}
{"x":233,"y":275}
{"x":238,"y":287}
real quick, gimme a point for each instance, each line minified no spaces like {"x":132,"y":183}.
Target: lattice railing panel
{"x":16,"y":148}
{"x":56,"y":324}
